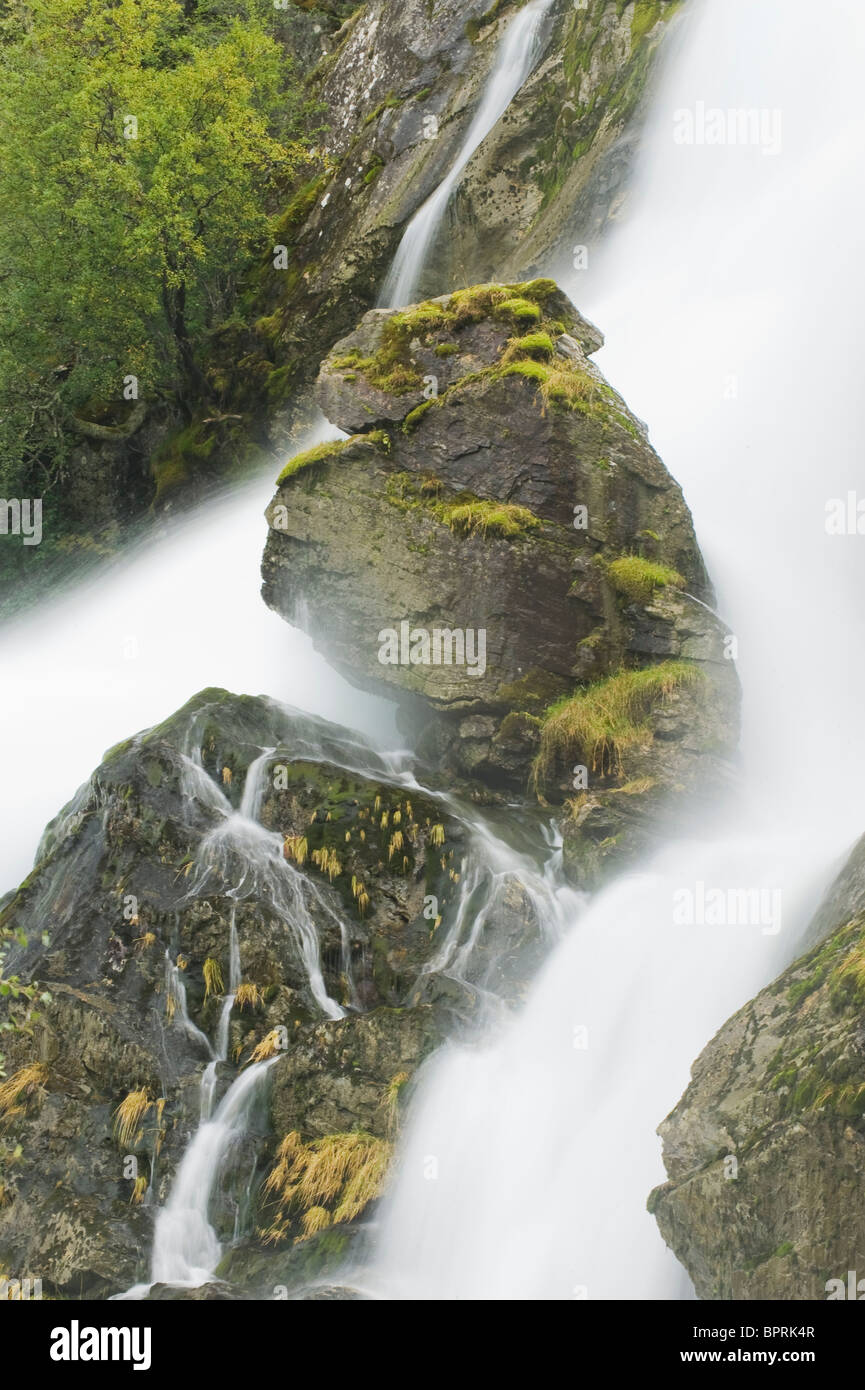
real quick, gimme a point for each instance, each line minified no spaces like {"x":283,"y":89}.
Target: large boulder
{"x":496,"y":487}
{"x":128,"y":920}
{"x":765,"y":1152}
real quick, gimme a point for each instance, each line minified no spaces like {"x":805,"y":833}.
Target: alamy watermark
{"x":21,"y":516}
{"x":728,"y":907}
{"x":759,"y":127}
{"x":438,"y":646}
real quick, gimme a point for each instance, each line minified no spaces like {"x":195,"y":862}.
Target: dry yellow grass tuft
{"x":248,"y":995}
{"x":128,"y":1116}
{"x":269,"y":1046}
{"x":336,"y":1177}
{"x":213,"y":981}
{"x":18,"y":1088}
{"x":600,"y":723}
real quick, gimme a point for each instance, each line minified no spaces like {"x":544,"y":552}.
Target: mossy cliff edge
{"x":493,"y":480}
{"x":765,"y":1152}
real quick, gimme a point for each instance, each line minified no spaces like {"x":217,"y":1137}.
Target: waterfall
{"x":186,"y":1249}
{"x":528,"y":1157}
{"x":517,"y":54}
{"x":528,"y":1154}
{"x":121,"y":650}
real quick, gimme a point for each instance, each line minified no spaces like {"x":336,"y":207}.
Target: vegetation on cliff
{"x":147,"y":151}
{"x":600,"y":723}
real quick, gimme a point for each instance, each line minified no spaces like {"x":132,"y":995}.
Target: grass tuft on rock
{"x":213,"y":981}
{"x":128,"y":1116}
{"x":538,"y":345}
{"x":599,"y":724}
{"x":248,"y":995}
{"x":518,"y":309}
{"x":489,"y":518}
{"x":336,"y":1176}
{"x":269,"y":1046}
{"x":637,"y":578}
{"x":19,"y":1087}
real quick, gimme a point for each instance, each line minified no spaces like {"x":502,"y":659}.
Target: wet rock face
{"x":137,"y":885}
{"x":402,"y":84}
{"x":491,"y":480}
{"x":765,"y":1152}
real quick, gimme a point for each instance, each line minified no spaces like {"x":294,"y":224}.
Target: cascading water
{"x":518,"y":52}
{"x":186,"y":1249}
{"x":181,"y":612}
{"x":542,"y":1134}
{"x":528,"y":1160}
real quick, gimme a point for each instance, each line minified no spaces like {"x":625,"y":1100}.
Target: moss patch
{"x":488,"y":518}
{"x":320,"y":453}
{"x":637,"y":578}
{"x":464,"y":513}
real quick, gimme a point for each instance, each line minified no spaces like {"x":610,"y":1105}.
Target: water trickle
{"x":175,"y":993}
{"x":517,"y":54}
{"x":186,"y":1249}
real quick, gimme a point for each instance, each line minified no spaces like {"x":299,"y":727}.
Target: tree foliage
{"x":145,"y":144}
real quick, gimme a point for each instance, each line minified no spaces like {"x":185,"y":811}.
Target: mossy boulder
{"x":137,"y":884}
{"x":512,"y":493}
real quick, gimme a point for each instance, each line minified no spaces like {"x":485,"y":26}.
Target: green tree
{"x":145,"y":146}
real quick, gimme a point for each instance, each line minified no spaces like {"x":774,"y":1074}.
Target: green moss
{"x":391,"y":368}
{"x":599,"y":724}
{"x":519,"y":309}
{"x":281,"y":382}
{"x":414,"y":322}
{"x":539,"y":345}
{"x":637,"y":578}
{"x":320,"y":453}
{"x":414,"y":417}
{"x":488,"y":518}
{"x":519,"y":725}
{"x":647,"y":13}
{"x":535,"y":691}
{"x":465,"y":514}
{"x":300,"y":207}
{"x":374,"y":170}
{"x":390,"y":101}
{"x":181,"y":458}
{"x":566,"y":385}
{"x":533,"y":371}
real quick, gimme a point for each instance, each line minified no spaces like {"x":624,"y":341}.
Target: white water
{"x":528,"y":1160}
{"x":186,"y":1250}
{"x":130,"y":646}
{"x":517,"y":54}
{"x":242,"y":859}
{"x":545,"y":1151}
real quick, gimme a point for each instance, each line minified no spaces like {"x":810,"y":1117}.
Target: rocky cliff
{"x":495,"y":488}
{"x":395,"y":87}
{"x":765,"y":1152}
{"x":402,"y":82}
